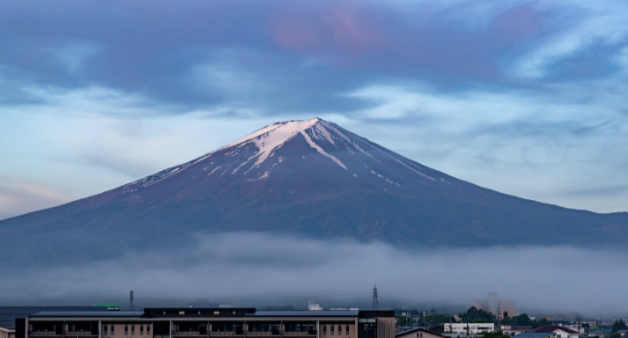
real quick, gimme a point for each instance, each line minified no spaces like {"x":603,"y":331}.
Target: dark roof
{"x":376,"y":313}
{"x":89,"y":314}
{"x":339,"y":313}
{"x":534,"y":334}
{"x":415,"y":330}
{"x":552,"y":328}
{"x":8,"y":314}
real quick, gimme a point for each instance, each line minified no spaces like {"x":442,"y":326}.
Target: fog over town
{"x":243,"y":268}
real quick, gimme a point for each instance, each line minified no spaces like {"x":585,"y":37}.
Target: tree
{"x":403,"y":321}
{"x":619,"y":325}
{"x":436,"y":319}
{"x":475,"y":315}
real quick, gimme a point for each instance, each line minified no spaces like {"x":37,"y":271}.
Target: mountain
{"x":307,"y":178}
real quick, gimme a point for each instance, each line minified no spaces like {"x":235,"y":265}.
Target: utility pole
{"x":375,"y":301}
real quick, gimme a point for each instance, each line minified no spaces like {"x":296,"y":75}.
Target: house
{"x":417,"y":333}
{"x":558,"y":331}
{"x":459,"y":335}
{"x":7,"y":332}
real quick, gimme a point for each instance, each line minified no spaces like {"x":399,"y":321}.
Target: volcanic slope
{"x":306,"y":178}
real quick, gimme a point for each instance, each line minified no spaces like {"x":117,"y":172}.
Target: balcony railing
{"x":80,"y":333}
{"x":299,"y":333}
{"x":42,"y":333}
{"x":188,"y":333}
{"x":225,"y":333}
{"x":263,"y":333}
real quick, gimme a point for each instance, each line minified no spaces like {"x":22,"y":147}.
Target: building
{"x":8,"y":315}
{"x":622,"y":333}
{"x":558,"y":331}
{"x":6,"y":332}
{"x":206,"y":323}
{"x":511,"y":330}
{"x":417,"y":333}
{"x":471,"y":328}
{"x":459,"y":335}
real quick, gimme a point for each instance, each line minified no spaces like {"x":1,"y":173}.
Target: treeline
{"x":426,"y":317}
{"x":472,"y":315}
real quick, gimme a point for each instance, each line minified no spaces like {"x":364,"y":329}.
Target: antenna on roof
{"x":375,"y":301}
{"x":131,"y":306}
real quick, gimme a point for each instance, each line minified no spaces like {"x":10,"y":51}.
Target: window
{"x":141,"y":329}
{"x":324,"y":329}
{"x":132,"y":329}
{"x":105,"y":329}
{"x":126,"y":329}
{"x":346,"y":329}
{"x":339,"y":329}
{"x":112,"y":329}
{"x":148,"y":329}
{"x":331,"y":331}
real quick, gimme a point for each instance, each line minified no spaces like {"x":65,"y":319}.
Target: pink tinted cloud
{"x":335,"y":29}
{"x":353,"y":30}
{"x":519,"y":23}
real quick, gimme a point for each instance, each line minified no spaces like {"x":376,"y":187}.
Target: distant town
{"x":490,"y":317}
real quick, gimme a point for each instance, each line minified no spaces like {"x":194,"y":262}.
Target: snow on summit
{"x":253,"y":156}
{"x":271,"y":137}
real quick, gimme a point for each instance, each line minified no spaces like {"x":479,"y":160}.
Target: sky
{"x":523,"y":97}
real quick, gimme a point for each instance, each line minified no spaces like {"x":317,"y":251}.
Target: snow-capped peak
{"x":251,"y":156}
{"x":273,"y":136}
{"x":282,"y":130}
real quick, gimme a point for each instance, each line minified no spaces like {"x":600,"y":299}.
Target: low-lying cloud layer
{"x":238,"y":267}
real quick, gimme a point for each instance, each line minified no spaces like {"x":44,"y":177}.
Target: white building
{"x":472,"y":328}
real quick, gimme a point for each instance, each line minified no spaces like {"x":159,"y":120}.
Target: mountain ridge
{"x":307,"y":178}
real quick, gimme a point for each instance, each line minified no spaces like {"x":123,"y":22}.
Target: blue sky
{"x":524,"y":97}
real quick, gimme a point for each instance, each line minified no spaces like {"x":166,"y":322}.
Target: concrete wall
{"x":386,"y":327}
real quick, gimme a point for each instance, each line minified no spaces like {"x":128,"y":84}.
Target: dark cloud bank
{"x":264,"y":269}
